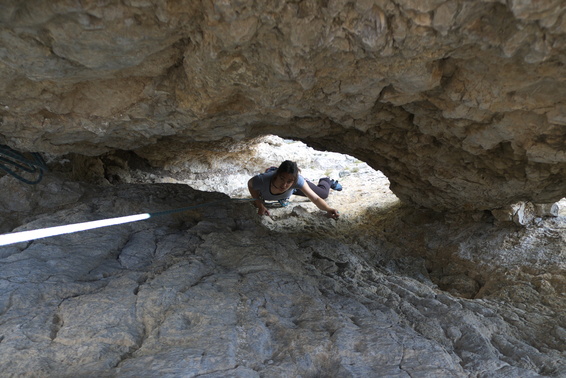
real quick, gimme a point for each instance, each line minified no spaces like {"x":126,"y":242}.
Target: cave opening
{"x":226,"y":167}
{"x":219,"y":167}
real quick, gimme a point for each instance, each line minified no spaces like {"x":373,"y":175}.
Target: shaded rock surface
{"x":461,"y":104}
{"x":217,"y":291}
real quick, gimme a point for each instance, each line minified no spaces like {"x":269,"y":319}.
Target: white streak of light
{"x":17,"y":237}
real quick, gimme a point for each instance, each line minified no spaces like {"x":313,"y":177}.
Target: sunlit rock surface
{"x":460,"y":103}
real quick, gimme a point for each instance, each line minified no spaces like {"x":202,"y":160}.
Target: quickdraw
{"x":15,"y":164}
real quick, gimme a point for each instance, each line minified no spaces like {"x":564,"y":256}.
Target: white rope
{"x":17,"y":237}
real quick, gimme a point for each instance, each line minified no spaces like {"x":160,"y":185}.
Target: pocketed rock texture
{"x":460,"y":103}
{"x":219,"y":292}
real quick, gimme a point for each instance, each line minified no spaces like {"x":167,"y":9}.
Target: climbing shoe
{"x":335,"y":185}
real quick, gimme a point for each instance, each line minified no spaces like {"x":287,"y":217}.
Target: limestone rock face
{"x":460,"y":103}
{"x":220,"y":292}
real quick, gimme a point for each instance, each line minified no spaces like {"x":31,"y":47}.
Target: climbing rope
{"x":13,"y":161}
{"x":17,"y":237}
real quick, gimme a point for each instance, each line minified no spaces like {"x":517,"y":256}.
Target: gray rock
{"x":199,"y":295}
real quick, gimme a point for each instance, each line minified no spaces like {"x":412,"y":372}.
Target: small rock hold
{"x":547,"y":209}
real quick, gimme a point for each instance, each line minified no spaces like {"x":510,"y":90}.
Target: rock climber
{"x":278,"y":184}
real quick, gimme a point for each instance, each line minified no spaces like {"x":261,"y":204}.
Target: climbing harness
{"x":18,"y":162}
{"x":275,"y":204}
{"x":17,"y":237}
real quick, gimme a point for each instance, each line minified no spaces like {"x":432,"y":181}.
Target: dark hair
{"x":288,"y":166}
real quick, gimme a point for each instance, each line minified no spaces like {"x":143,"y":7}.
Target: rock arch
{"x":460,"y":103}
